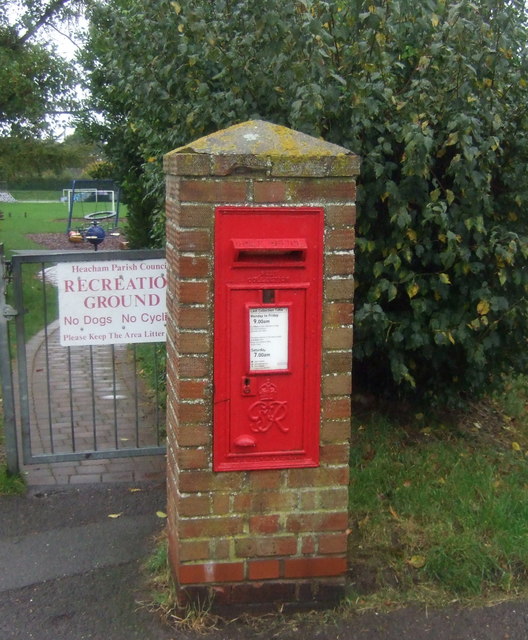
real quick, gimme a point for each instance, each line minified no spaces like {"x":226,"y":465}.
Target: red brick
{"x":335,"y":432}
{"x":185,"y":164}
{"x":317,"y":522}
{"x":263,"y":569}
{"x":336,"y":408}
{"x":264,"y":524}
{"x":221,"y":503}
{"x":192,"y":389}
{"x":196,"y":216}
{"x":196,"y":481}
{"x":218,"y":191}
{"x":323,"y":190}
{"x":265,"y":480}
{"x":335,"y":454}
{"x":319,"y":477}
{"x":193,"y":436}
{"x":343,"y":215}
{"x":338,"y":338}
{"x":173,"y":550}
{"x":337,"y":362}
{"x":193,"y":267}
{"x":273,"y":501}
{"x":194,"y":505}
{"x":194,"y":550}
{"x":196,"y":366}
{"x":192,"y":317}
{"x":192,"y":342}
{"x":337,"y":385}
{"x":191,"y":413}
{"x":172,"y":187}
{"x":269,"y":191}
{"x":210,"y":572}
{"x":314,"y":567}
{"x":171,"y":232}
{"x":193,"y":459}
{"x":222,"y":550}
{"x":337,"y":313}
{"x":194,"y":240}
{"x":266,"y":546}
{"x":308,"y":500}
{"x":193,"y":292}
{"x":210,"y":527}
{"x":242,"y":502}
{"x":264,"y":592}
{"x":339,"y":264}
{"x":308,"y":545}
{"x":333,"y":543}
{"x":340,"y":240}
{"x":334,"y":499}
{"x":339,"y":289}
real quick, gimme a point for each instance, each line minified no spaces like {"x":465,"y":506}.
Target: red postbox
{"x":267,"y":337}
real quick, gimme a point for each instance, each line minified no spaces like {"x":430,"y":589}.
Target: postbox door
{"x":267,"y":353}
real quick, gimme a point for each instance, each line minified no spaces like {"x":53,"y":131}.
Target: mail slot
{"x":267,"y":337}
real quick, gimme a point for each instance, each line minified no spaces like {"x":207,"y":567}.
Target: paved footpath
{"x":75,"y":406}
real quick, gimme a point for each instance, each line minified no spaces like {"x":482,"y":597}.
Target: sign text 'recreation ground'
{"x":114,"y":302}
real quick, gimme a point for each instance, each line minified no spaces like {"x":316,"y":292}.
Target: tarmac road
{"x":69,"y":572}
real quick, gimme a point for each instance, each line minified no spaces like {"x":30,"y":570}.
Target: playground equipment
{"x":93,"y":210}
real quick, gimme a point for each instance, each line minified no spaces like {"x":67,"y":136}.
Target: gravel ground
{"x":56,"y":241}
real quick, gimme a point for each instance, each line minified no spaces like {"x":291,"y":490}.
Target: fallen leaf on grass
{"x":394,"y":513}
{"x":516,"y":446}
{"x":417,"y":561}
{"x":364,"y":521}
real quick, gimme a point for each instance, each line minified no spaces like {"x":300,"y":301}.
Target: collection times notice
{"x":268,"y":338}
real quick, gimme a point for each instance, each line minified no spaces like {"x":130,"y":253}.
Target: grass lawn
{"x":23,"y":218}
{"x":440,"y":509}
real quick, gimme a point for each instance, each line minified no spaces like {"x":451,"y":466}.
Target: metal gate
{"x":71,"y":403}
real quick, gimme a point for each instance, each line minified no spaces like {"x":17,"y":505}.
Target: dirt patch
{"x":58,"y":241}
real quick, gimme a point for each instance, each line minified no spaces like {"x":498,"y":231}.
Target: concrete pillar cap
{"x":258,"y":137}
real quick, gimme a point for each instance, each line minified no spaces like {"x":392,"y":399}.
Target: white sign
{"x":268,"y":338}
{"x":112,"y":302}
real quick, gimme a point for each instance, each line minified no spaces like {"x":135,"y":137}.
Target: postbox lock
{"x":247,"y":388}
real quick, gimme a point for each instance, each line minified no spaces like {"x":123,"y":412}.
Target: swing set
{"x":93,"y":210}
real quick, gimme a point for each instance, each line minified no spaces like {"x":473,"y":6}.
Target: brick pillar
{"x":275,"y":537}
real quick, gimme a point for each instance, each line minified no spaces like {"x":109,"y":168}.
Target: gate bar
{"x":6,"y":374}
